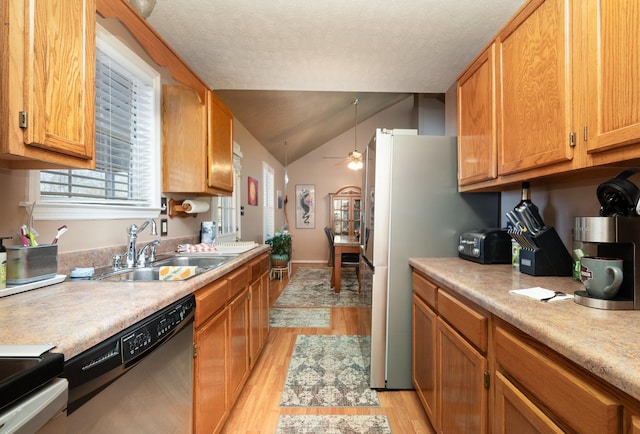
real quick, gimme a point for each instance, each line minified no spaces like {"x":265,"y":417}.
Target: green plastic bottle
{"x":3,"y":264}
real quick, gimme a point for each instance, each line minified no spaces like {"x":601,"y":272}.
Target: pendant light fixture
{"x":355,"y":157}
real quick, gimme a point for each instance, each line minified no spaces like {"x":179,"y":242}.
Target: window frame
{"x":76,"y":210}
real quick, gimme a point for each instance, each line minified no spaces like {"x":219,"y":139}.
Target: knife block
{"x":543,"y":254}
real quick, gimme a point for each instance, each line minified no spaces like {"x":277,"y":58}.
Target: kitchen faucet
{"x":133,"y":231}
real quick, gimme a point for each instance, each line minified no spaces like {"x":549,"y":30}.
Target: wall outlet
{"x":164,"y":227}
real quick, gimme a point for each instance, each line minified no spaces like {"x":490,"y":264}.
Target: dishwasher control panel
{"x":159,"y":327}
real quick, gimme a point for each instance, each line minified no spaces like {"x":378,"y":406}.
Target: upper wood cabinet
{"x":477,"y":149}
{"x":219,"y":145}
{"x":534,"y":92}
{"x":197,"y":143}
{"x":613,"y":68}
{"x":184,"y":129}
{"x":567,"y":94}
{"x":345,"y":211}
{"x":47,"y":95}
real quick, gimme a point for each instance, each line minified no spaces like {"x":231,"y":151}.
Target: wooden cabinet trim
{"x":575,"y":401}
{"x":468,"y":321}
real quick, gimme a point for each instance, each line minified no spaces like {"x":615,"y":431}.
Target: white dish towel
{"x":539,"y":293}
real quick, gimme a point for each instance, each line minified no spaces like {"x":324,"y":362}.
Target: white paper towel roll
{"x":195,"y":206}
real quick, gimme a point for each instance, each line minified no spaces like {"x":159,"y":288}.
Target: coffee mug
{"x":601,"y":276}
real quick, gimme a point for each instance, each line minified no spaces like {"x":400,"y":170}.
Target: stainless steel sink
{"x":206,"y":262}
{"x":131,"y":275}
{"x":202,"y":263}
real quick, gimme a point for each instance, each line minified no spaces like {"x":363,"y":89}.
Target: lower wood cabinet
{"x":211,"y":374}
{"x":462,"y":390}
{"x":450,"y":368}
{"x":475,"y":372}
{"x":224,"y":350}
{"x":553,"y":387}
{"x":424,"y":355}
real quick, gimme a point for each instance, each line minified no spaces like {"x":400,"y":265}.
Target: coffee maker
{"x":614,"y":237}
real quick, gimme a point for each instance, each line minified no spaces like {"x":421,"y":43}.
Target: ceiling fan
{"x":354,"y":160}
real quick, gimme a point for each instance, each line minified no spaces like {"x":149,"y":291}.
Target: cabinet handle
{"x":585,"y":133}
{"x":487,"y":379}
{"x":572,"y":139}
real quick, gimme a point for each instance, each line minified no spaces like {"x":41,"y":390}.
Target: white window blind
{"x":268,"y":194}
{"x":127,"y":139}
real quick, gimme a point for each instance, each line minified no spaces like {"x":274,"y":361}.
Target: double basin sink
{"x":202,"y":262}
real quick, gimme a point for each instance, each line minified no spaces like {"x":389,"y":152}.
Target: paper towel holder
{"x":177,"y":210}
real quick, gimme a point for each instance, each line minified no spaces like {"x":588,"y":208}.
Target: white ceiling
{"x":290,"y":69}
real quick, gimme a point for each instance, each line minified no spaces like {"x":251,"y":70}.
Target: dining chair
{"x":349,"y":260}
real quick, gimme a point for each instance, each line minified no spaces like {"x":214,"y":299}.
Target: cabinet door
{"x":345,"y":211}
{"x":515,"y":413}
{"x":49,"y":75}
{"x":255,"y":321}
{"x":219,"y":145}
{"x":613,"y":71}
{"x":239,"y":342}
{"x":184,"y":134}
{"x":477,"y":147}
{"x":264,"y":303}
{"x":462,"y":396}
{"x":211,"y":399}
{"x":424,"y":356}
{"x":534,"y":88}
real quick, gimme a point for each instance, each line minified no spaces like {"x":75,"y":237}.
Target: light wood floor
{"x":258,"y":407}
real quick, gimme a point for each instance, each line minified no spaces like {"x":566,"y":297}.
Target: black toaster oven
{"x":485,"y":246}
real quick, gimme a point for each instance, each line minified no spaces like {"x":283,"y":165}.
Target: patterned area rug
{"x":329,"y":371}
{"x":311,"y":287}
{"x":319,"y":318}
{"x":306,"y":424}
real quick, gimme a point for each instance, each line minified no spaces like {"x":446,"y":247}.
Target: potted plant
{"x":280,"y":248}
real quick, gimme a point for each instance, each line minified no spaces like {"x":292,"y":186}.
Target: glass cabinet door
{"x":345,"y":211}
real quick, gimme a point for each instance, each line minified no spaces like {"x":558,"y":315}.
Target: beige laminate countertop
{"x":76,"y":315}
{"x":605,"y":342}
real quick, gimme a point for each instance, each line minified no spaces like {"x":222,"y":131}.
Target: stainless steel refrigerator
{"x":412,"y":208}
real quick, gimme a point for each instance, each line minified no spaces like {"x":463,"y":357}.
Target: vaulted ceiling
{"x":290,"y":70}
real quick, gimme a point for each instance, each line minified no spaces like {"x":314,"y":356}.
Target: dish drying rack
{"x":542,"y":254}
{"x":235,"y":246}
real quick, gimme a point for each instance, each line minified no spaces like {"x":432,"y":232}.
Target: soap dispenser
{"x":3,"y":263}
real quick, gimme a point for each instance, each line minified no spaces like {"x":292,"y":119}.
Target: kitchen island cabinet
{"x":553,"y":367}
{"x":47,"y":95}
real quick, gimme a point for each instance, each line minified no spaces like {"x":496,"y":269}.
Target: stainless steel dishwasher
{"x":139,"y":380}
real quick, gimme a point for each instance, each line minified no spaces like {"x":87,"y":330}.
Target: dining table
{"x":342,"y":244}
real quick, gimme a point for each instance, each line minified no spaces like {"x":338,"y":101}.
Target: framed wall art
{"x":305,"y":206}
{"x":253,"y":191}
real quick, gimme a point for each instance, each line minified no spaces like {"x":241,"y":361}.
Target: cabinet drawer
{"x":237,"y":280}
{"x":210,"y":299}
{"x":424,"y":289}
{"x":258,"y":266}
{"x":577,"y":403}
{"x":470,"y":323}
